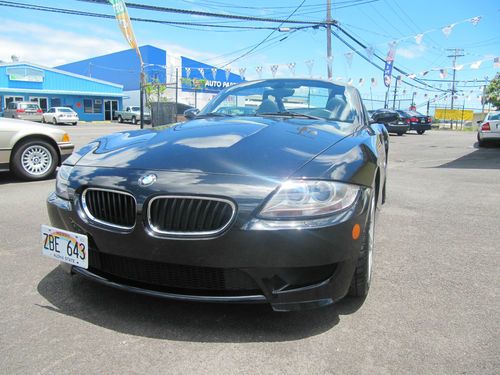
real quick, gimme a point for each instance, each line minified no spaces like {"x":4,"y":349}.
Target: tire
{"x":361,"y":280}
{"x":74,"y":123}
{"x":134,"y":120}
{"x":480,"y":142}
{"x":400,"y":134}
{"x":54,"y":121}
{"x":34,"y":160}
{"x":43,"y":120}
{"x":120,"y":119}
{"x":420,"y":132}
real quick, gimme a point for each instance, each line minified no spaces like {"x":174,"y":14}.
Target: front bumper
{"x":65,"y":150}
{"x":291,"y":269}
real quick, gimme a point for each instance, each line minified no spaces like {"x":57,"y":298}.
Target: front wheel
{"x":134,"y":120}
{"x":361,"y":279}
{"x":420,"y":132}
{"x":120,"y":119}
{"x":34,"y":160}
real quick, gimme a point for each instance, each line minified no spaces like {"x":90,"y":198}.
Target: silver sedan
{"x":32,"y":151}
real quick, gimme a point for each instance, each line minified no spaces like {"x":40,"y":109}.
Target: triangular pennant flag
{"x":418,"y":38}
{"x":404,"y":92}
{"x":242,"y":72}
{"x":214,"y":73}
{"x":496,"y":62}
{"x":424,"y":73}
{"x":458,"y":67}
{"x":349,"y":81}
{"x":258,"y":69}
{"x":291,"y":67}
{"x":274,"y":69}
{"x":361,"y":82}
{"x":475,"y":20}
{"x":447,"y":30}
{"x":188,"y":72}
{"x":476,"y":65}
{"x":348,"y":57}
{"x":443,"y":73}
{"x":202,"y":72}
{"x":374,"y":82}
{"x":412,"y":76}
{"x":228,"y":71}
{"x":310,"y":64}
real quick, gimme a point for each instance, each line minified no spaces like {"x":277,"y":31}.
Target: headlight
{"x":62,"y":181}
{"x":305,"y":198}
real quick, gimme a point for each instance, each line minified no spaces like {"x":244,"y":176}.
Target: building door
{"x":42,"y":102}
{"x":110,"y":107}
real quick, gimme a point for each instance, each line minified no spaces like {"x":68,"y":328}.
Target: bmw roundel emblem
{"x":147,"y":180}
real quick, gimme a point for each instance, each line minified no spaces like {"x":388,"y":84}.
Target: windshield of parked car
{"x":311,"y":99}
{"x":29,"y":106}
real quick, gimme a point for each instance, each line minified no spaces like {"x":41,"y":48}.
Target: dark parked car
{"x":417,"y":121}
{"x":397,"y":126}
{"x":274,"y":206}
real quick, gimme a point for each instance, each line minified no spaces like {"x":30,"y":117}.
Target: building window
{"x":55,"y":102}
{"x":97,"y":106}
{"x":87,"y":106}
{"x":92,"y":106}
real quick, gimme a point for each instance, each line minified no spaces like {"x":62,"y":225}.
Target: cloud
{"x":412,"y":52}
{"x":52,"y":46}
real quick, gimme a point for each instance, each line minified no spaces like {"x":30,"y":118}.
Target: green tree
{"x":492,"y":92}
{"x":154,"y":92}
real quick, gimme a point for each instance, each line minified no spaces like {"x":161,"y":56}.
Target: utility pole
{"x":457,"y":52}
{"x":329,"y":38}
{"x":395,"y":94}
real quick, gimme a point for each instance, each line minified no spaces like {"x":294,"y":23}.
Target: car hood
{"x":243,"y":145}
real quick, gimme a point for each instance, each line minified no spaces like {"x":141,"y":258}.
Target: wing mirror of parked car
{"x":479,"y":122}
{"x":384,"y":117}
{"x":191,"y":113}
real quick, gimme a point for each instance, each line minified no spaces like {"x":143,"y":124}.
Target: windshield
{"x":294,"y":97}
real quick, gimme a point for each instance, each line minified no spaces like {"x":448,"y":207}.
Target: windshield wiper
{"x":290,"y":114}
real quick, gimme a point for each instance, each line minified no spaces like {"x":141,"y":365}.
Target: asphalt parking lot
{"x":433,"y":306}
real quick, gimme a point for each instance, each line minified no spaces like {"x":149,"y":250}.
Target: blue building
{"x":124,"y":68}
{"x":91,"y":98}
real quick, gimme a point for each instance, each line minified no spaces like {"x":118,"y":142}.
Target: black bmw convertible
{"x":274,"y":204}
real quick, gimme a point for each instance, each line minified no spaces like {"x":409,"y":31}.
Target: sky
{"x":53,"y":39}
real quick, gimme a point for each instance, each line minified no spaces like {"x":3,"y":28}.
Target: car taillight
{"x":407,"y":120}
{"x":414,"y":119}
{"x":429,"y":119}
{"x":39,"y":111}
{"x":20,"y":110}
{"x":486,"y":126}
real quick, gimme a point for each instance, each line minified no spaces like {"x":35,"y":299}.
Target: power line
{"x":265,"y":39}
{"x":207,"y":14}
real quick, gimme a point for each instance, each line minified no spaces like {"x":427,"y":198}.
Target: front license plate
{"x":64,"y":246}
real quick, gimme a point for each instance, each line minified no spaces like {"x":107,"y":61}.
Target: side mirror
{"x":479,"y":122}
{"x":384,"y":117}
{"x":191,"y":113}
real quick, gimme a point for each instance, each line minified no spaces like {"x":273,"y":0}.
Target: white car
{"x":60,"y":115}
{"x":489,"y":129}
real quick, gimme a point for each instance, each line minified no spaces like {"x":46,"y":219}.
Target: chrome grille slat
{"x":109,"y":207}
{"x":189,"y":215}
